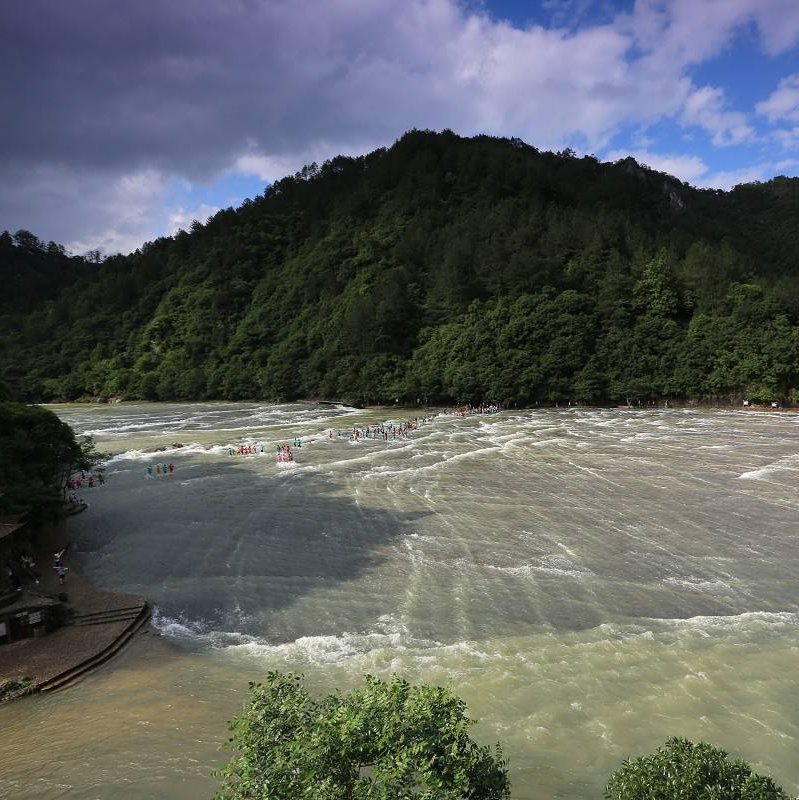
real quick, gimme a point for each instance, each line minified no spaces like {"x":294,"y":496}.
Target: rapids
{"x":589,"y":581}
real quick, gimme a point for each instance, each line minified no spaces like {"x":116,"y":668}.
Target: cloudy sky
{"x":125,"y":121}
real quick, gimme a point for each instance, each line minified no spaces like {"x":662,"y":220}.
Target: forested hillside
{"x":443,"y":268}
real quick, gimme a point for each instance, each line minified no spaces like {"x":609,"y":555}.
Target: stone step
{"x":104,"y":620}
{"x":72,"y":674}
{"x":89,"y":614}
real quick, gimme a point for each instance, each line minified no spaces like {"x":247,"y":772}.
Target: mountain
{"x":447,"y":268}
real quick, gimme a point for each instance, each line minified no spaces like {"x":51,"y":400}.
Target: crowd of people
{"x":284,"y":454}
{"x":256,"y":449}
{"x":484,"y":408}
{"x":388,"y":431}
{"x":79,"y":479}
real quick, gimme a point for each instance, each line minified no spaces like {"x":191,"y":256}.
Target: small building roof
{"x":29,"y":601}
{"x":9,"y":524}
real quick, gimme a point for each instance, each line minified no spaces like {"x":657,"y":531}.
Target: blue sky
{"x":131,"y":120}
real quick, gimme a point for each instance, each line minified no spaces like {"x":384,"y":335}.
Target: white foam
{"x":150,"y":455}
{"x":388,"y":645}
{"x":725,"y":623}
{"x":787,"y":464}
{"x":391,"y":647}
{"x":756,"y":474}
{"x":199,"y":630}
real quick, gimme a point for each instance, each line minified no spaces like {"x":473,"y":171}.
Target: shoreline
{"x":98,"y":624}
{"x":698,"y":405}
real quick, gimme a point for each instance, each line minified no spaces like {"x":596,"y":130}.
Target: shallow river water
{"x":589,"y":581}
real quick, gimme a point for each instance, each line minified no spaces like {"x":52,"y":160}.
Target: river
{"x":589,"y":581}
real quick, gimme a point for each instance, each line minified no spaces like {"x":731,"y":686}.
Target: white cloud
{"x":727,"y":179}
{"x":112,"y":213}
{"x":688,"y":32}
{"x":778,"y":23}
{"x":782,"y":106}
{"x":270,"y":168}
{"x":787,"y":137}
{"x":705,"y":108}
{"x":266,"y":168}
{"x":687,"y":168}
{"x":117,"y":214}
{"x":181,"y":218}
{"x":692,"y":169}
{"x":783,"y":103}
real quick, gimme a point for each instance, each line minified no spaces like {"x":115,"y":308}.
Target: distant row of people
{"x":246,"y":450}
{"x":484,"y":408}
{"x":160,"y":469}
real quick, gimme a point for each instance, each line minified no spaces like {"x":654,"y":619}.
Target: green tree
{"x":384,"y":741}
{"x":655,"y":291}
{"x":682,"y":770}
{"x":37,"y":453}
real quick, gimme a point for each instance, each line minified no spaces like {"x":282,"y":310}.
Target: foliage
{"x":383,"y":741}
{"x":37,"y":453}
{"x":12,"y":688}
{"x":682,"y":770}
{"x":457,"y":269}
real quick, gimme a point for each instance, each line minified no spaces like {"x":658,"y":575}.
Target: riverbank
{"x":417,"y":410}
{"x":98,"y":624}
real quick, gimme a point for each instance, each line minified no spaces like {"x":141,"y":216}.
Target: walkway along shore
{"x":98,"y":625}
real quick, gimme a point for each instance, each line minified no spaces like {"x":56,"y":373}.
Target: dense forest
{"x":443,"y":268}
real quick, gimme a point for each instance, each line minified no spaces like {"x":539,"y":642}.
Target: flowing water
{"x":589,"y":581}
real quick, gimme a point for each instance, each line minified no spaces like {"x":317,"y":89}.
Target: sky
{"x":123,"y":122}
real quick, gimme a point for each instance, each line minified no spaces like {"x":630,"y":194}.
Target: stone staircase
{"x":128,"y":613}
{"x":136,"y":617}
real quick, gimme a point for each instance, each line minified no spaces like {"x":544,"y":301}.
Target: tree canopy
{"x":383,"y":741}
{"x":447,"y":267}
{"x":37,"y":453}
{"x":683,"y":770}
